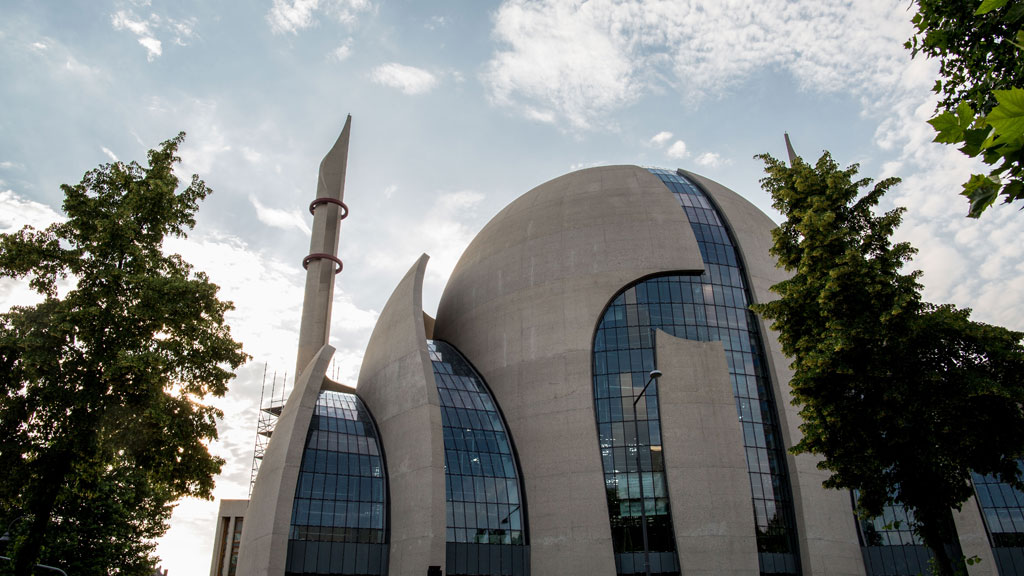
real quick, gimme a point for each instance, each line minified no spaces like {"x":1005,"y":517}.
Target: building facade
{"x":593,"y":397}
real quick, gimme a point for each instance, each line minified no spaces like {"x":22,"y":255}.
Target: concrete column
{"x":705,"y":463}
{"x":970,"y":527}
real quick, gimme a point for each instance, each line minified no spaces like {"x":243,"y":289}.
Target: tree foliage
{"x":103,"y":424}
{"x":900,"y":398}
{"x":981,"y":79}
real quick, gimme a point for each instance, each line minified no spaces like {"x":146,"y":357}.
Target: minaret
{"x":789,"y":150}
{"x":323,"y":263}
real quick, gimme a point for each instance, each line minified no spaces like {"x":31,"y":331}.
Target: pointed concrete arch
{"x":264,"y":545}
{"x":396,"y":382}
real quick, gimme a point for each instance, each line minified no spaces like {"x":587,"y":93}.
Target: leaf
{"x":989,"y":5}
{"x":948,"y":127}
{"x":981,"y":191}
{"x":974,"y":140}
{"x":1019,"y":40}
{"x":1007,"y":119}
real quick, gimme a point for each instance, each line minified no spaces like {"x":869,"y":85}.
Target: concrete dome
{"x":523,"y":303}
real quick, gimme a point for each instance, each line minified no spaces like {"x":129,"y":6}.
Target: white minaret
{"x":323,"y":264}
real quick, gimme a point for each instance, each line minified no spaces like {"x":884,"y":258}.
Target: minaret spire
{"x":322,"y":263}
{"x":789,"y":149}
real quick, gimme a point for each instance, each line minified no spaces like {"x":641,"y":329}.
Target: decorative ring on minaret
{"x":325,"y":256}
{"x":319,"y":201}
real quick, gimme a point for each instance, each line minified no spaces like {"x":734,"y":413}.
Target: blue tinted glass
{"x":486,"y":517}
{"x":1002,"y":507}
{"x":710,"y":306}
{"x":890,"y":547}
{"x":340,"y":497}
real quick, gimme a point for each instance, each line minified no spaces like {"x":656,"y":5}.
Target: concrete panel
{"x":522,"y":305}
{"x":396,"y":382}
{"x":825,"y":522}
{"x":705,"y":463}
{"x":265,"y":532}
{"x":970,"y":527}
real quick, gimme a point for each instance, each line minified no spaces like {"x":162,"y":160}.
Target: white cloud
{"x":443,"y":231}
{"x":146,"y":30}
{"x":61,"y":61}
{"x":661,"y":138}
{"x":291,"y":16}
{"x":109,"y":153}
{"x":277,"y":218}
{"x":16,"y":211}
{"x":435,"y":22}
{"x":123,"y":20}
{"x":709,"y":159}
{"x":342,"y":52}
{"x":410,"y":80}
{"x":285,"y":16}
{"x":206,"y":141}
{"x":677,"y":150}
{"x":183,"y":30}
{"x":154,"y":48}
{"x":561,"y":58}
{"x":8,"y":165}
{"x":587,"y":58}
{"x":251,"y":155}
{"x":76,"y":68}
{"x":545,"y":116}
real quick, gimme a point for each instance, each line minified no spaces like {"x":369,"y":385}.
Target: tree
{"x":103,"y":424}
{"x":900,"y":398}
{"x":981,"y":80}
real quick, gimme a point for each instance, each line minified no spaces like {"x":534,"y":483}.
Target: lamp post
{"x":654,"y":375}
{"x":6,"y":537}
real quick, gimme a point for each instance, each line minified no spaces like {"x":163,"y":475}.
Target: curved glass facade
{"x":709,"y":306}
{"x":339,"y":516}
{"x":486,"y":524}
{"x":1002,"y":506}
{"x":889,"y":545}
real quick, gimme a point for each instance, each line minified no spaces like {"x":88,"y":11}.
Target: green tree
{"x":900,"y":398}
{"x":981,"y":80}
{"x":103,"y":424}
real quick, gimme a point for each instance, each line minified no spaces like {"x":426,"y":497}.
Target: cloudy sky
{"x":458,"y":108}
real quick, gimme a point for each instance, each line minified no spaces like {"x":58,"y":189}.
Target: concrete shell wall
{"x":396,"y":382}
{"x":522,"y":305}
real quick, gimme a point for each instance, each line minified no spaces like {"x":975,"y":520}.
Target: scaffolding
{"x":269,"y":411}
{"x":270,"y":408}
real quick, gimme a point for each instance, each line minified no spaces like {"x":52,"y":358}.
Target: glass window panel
{"x":347,"y":505}
{"x":711,"y":306}
{"x":485,"y":492}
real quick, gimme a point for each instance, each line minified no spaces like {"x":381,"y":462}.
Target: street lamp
{"x":654,"y":375}
{"x":6,"y":537}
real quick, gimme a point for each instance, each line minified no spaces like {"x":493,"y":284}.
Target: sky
{"x":458,"y":108}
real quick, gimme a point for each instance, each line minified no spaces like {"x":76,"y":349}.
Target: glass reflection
{"x":486,"y":517}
